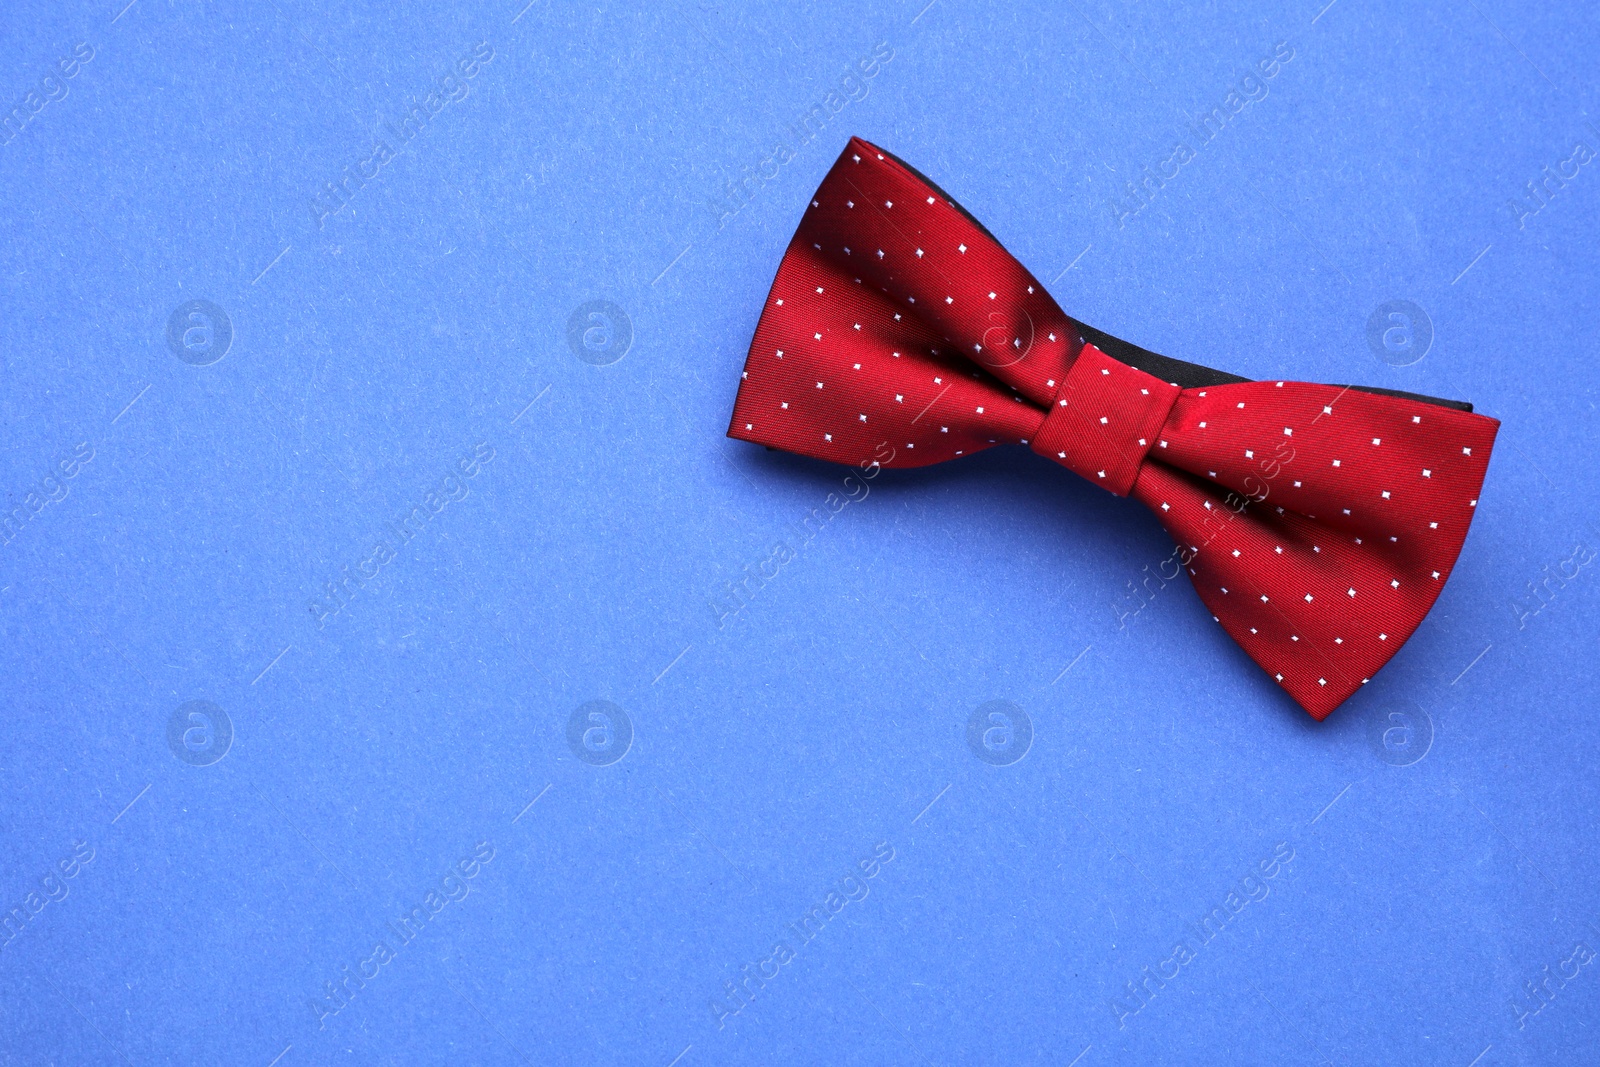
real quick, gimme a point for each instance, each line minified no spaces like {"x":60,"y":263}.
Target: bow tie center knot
{"x":1104,"y":419}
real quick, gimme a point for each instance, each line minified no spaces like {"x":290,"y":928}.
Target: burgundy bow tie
{"x":1317,"y":522}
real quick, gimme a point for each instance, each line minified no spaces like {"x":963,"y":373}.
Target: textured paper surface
{"x":401,"y":666}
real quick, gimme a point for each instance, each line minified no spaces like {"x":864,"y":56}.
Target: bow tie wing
{"x":1317,"y":523}
{"x":897,"y":326}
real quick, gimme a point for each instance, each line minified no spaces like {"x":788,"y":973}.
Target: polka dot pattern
{"x":1317,"y":523}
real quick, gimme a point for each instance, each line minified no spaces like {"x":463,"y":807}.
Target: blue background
{"x":1441,"y":822}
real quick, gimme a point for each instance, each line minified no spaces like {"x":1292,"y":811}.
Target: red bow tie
{"x":1317,"y":522}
